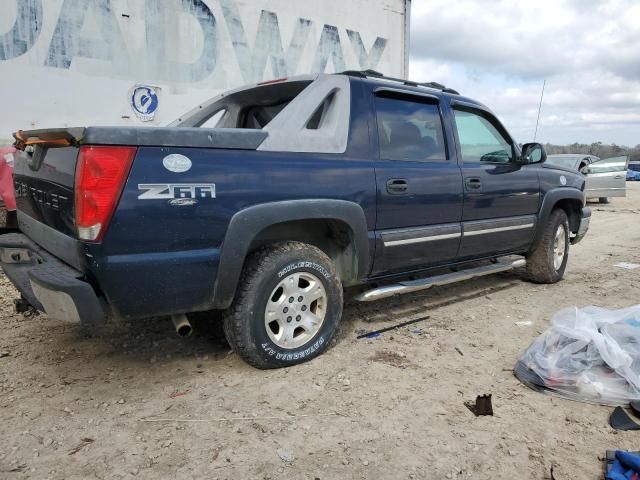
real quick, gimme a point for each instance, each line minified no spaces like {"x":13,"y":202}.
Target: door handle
{"x":397,"y":186}
{"x":473,"y":183}
{"x":618,"y":177}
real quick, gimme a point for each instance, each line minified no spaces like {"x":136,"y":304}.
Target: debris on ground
{"x":83,"y":443}
{"x":590,"y":354}
{"x":628,"y":266}
{"x":179,"y":394}
{"x":482,"y":405}
{"x":18,"y":469}
{"x":375,"y":333}
{"x":621,"y":420}
{"x":525,"y":323}
{"x":285,"y":455}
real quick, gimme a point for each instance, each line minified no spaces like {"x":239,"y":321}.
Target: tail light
{"x":100,"y":176}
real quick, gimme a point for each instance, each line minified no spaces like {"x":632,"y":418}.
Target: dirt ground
{"x":78,"y":404}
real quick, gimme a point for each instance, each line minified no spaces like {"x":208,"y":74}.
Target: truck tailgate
{"x":44,"y":173}
{"x":43,"y":179}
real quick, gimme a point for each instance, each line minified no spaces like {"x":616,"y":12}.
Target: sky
{"x":500,"y":51}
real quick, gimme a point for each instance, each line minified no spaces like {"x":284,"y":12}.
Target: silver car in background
{"x":605,"y":177}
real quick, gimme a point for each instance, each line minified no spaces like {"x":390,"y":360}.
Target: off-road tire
{"x":540,"y":262}
{"x":244,"y":321}
{"x":604,"y":200}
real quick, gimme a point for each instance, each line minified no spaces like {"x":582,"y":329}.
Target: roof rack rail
{"x":373,"y":74}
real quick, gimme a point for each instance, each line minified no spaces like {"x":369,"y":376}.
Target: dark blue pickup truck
{"x":267,"y":200}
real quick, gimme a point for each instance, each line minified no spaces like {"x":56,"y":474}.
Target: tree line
{"x":598,"y":149}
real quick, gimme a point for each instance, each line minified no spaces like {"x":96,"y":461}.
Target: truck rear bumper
{"x":583,"y":227}
{"x":47,"y":283}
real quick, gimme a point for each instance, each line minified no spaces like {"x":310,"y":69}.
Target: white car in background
{"x":605,"y":177}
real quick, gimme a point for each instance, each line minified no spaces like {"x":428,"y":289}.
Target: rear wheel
{"x":547,"y":262}
{"x":604,"y":200}
{"x":287,"y":307}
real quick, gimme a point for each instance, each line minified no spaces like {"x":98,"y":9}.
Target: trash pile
{"x":590,"y":354}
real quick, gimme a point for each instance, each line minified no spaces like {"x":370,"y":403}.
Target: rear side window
{"x":409,"y":130}
{"x":480,"y":140}
{"x":319,"y":117}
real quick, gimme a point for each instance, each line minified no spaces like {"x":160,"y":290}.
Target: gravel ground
{"x":78,"y":403}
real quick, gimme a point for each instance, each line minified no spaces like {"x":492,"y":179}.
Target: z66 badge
{"x":170,"y":191}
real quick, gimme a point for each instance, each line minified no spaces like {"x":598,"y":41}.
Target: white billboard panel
{"x":120,"y":62}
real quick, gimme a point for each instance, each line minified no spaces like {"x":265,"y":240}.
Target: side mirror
{"x":533,"y":153}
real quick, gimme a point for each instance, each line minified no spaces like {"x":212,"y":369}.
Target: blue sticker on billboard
{"x":145,"y":101}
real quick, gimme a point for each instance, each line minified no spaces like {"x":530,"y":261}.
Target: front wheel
{"x":548,"y":260}
{"x":604,"y":200}
{"x":287,"y":307}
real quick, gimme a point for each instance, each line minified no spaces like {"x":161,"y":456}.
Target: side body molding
{"x":246,"y":224}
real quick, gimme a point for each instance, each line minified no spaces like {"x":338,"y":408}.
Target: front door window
{"x":480,"y":140}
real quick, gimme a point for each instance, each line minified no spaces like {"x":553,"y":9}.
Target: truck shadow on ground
{"x":153,"y":340}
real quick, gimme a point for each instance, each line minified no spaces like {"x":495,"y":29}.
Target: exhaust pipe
{"x":182,"y":324}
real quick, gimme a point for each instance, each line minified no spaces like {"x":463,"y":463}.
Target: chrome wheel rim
{"x":295,"y":310}
{"x":559,"y":247}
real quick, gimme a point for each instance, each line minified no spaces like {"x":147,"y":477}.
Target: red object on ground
{"x":178,"y":394}
{"x":7,"y":192}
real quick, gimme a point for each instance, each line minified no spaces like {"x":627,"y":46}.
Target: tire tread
{"x":539,"y":267}
{"x":234,"y":320}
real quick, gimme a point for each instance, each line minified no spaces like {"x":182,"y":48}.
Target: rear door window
{"x":410,"y":130}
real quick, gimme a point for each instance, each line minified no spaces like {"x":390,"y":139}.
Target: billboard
{"x":119,"y":62}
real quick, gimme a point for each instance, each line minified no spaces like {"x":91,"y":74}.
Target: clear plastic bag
{"x":590,"y":354}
